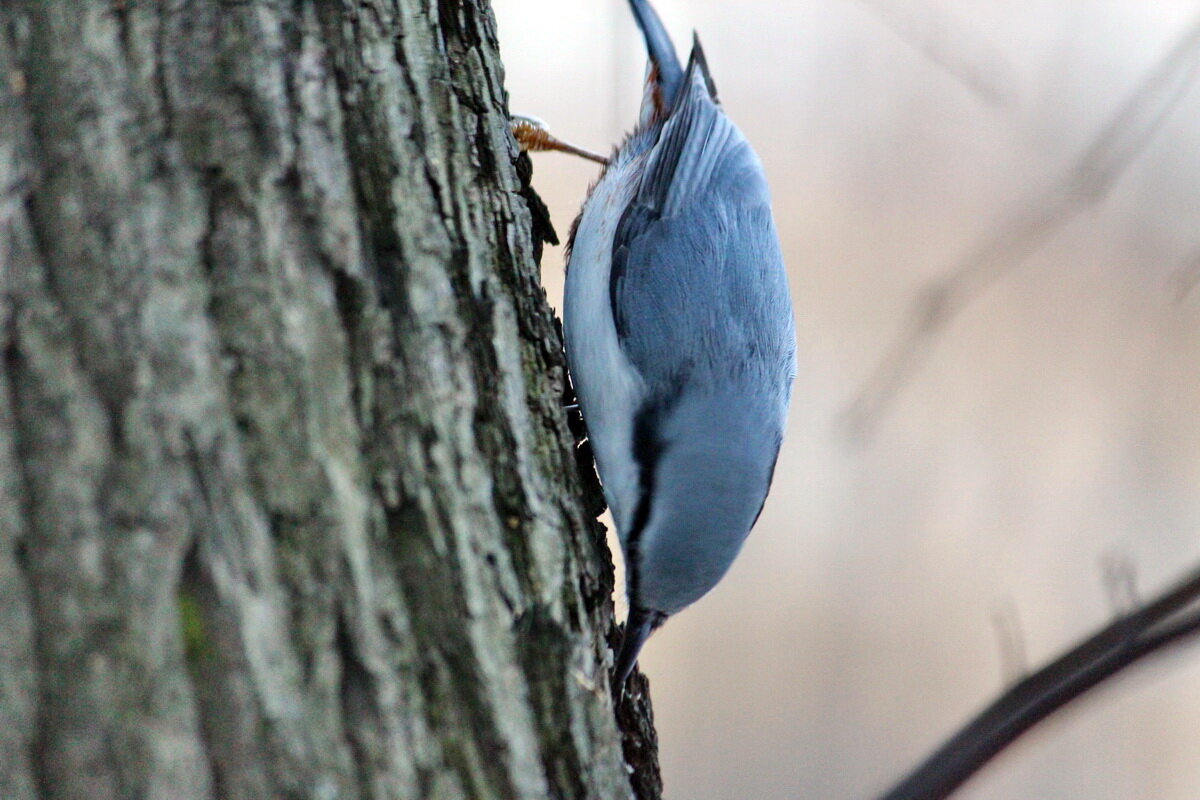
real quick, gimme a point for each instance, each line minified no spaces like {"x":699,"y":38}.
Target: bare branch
{"x":1119,"y":574}
{"x":1170,"y":618}
{"x":951,"y":44}
{"x":1085,"y":184}
{"x":1011,"y":639}
{"x":1186,"y":278}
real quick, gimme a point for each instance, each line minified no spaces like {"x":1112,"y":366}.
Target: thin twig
{"x":951,"y":44}
{"x":1186,"y":278}
{"x":1084,"y":185}
{"x":1172,"y":617}
{"x":1011,"y":640}
{"x":1120,"y":580}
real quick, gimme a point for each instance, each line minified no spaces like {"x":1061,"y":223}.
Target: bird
{"x":679,"y":338}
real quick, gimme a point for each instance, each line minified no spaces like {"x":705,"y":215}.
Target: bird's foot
{"x":531,"y":134}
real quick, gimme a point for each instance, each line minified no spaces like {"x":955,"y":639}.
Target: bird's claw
{"x":532,"y":135}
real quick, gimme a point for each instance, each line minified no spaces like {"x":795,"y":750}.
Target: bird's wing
{"x":697,"y":284}
{"x":700,"y":303}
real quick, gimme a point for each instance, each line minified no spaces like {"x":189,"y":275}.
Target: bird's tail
{"x":666,"y":68}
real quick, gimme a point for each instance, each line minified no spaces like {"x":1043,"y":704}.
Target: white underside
{"x":606,"y":383}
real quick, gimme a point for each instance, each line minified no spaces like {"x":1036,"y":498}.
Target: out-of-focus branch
{"x":1085,"y":184}
{"x":952,"y":45}
{"x":1186,"y":278}
{"x":1010,"y":637}
{"x":1168,"y":619}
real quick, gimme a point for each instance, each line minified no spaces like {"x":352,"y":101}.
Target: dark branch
{"x":1172,"y":617}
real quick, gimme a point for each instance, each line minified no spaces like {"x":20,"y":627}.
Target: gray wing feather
{"x":700,"y":302}
{"x":698,"y":286}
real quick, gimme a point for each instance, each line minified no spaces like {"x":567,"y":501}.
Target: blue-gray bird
{"x":679,"y":338}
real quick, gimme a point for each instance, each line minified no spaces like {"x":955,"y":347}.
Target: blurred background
{"x":951,"y":508}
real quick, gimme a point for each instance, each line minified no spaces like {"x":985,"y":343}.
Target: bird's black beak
{"x":638,"y":627}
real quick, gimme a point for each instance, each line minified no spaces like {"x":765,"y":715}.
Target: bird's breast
{"x":607,"y":385}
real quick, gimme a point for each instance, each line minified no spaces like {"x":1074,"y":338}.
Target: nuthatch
{"x":679,"y":338}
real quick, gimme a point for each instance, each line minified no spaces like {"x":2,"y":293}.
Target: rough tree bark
{"x":288,"y":504}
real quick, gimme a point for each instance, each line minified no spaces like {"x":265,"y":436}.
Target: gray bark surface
{"x":288,"y":503}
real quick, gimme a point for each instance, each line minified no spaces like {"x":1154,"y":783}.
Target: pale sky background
{"x":1052,"y":428}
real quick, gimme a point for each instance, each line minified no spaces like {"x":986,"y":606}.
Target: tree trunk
{"x":288,"y":503}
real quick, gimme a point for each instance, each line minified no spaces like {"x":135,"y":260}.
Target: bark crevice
{"x":302,"y":510}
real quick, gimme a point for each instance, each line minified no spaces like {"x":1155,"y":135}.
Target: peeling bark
{"x":289,"y":507}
